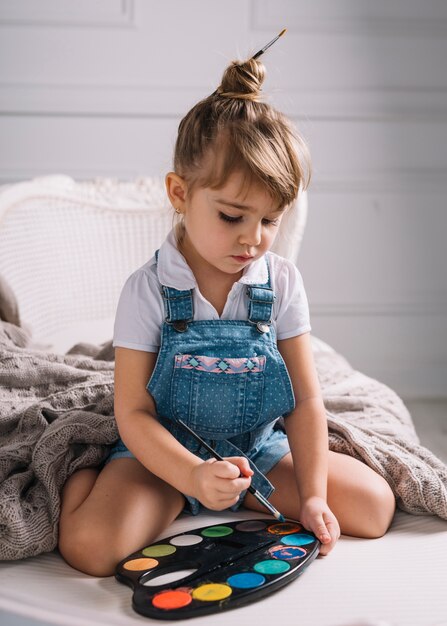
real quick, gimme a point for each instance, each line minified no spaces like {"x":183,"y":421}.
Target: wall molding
{"x":411,"y":103}
{"x":375,"y":104}
{"x":398,"y":181}
{"x":68,"y":14}
{"x":383,"y":18}
{"x":97,"y":100}
{"x":383,"y":309}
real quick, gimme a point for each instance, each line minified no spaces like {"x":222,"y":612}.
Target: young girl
{"x":214,"y":331}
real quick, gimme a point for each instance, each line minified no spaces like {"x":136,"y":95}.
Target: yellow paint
{"x":211,"y":592}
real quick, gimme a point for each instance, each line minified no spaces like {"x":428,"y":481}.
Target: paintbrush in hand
{"x":259,"y":497}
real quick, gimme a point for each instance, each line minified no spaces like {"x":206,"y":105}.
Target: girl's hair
{"x":232,"y":130}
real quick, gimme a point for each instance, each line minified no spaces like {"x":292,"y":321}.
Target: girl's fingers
{"x":322,"y":531}
{"x":333,"y":527}
{"x":227,"y":481}
{"x":231,"y":488}
{"x":233,"y":467}
{"x":242,"y":463}
{"x":226,"y":469}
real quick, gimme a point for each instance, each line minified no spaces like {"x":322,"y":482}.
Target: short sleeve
{"x":293,"y":314}
{"x":139,"y":314}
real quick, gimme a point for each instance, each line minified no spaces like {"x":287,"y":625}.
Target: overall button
{"x":262,"y":327}
{"x":180,"y":325}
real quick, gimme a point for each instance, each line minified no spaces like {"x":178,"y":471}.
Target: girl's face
{"x":221,"y":227}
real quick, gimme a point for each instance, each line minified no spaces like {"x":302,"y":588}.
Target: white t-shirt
{"x":140,"y":313}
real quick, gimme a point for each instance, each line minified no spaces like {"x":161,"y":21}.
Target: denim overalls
{"x":226,"y":380}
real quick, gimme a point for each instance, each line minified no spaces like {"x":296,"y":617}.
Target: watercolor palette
{"x":216,"y":568}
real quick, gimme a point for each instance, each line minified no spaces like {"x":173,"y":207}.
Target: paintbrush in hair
{"x":259,"y":497}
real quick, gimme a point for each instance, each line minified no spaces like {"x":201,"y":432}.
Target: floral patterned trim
{"x":217,"y":365}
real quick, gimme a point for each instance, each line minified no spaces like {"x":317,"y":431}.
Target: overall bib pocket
{"x":218,"y":397}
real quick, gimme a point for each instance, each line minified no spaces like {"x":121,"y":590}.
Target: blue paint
{"x":272,"y":566}
{"x":246,"y":580}
{"x":287,"y":552}
{"x":298,"y":539}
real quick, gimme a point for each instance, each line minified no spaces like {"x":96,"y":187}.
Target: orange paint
{"x":137,"y":565}
{"x":171,"y":599}
{"x":284,"y":528}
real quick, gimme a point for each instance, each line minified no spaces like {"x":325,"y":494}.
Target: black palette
{"x":235,"y":563}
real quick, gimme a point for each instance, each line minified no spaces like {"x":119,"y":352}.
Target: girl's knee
{"x":386,"y":503}
{"x":89,"y":550}
{"x":382,"y":506}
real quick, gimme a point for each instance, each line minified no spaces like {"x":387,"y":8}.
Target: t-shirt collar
{"x":173,"y":270}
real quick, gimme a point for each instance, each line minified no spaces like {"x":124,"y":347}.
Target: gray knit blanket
{"x":56,"y":417}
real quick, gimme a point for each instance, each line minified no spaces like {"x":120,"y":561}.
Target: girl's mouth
{"x":242,"y":259}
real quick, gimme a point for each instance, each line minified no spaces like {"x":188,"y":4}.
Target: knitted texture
{"x":56,"y":416}
{"x":368,"y":420}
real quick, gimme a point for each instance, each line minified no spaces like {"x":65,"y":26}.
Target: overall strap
{"x":179,"y":307}
{"x":261,"y":298}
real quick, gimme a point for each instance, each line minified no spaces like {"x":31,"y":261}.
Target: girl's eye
{"x":236,"y":220}
{"x":228,"y":218}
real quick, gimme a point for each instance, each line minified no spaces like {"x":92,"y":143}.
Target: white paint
{"x":186,"y":540}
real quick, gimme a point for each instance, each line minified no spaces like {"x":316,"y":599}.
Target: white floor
{"x":430,"y":419}
{"x":409,"y":536}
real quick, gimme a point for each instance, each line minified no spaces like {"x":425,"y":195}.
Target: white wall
{"x":93,"y":88}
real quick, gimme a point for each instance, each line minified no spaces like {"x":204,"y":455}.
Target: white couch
{"x":65,"y":250}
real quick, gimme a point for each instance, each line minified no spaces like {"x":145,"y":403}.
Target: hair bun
{"x":243,"y":80}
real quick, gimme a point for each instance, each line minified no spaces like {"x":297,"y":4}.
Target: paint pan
{"x":216,"y":568}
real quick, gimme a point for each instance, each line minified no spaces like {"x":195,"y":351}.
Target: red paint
{"x":171,"y":599}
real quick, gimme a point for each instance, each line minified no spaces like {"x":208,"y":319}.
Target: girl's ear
{"x":176,"y":189}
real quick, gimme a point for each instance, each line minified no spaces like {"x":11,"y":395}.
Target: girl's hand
{"x":315,"y":515}
{"x":218,"y":484}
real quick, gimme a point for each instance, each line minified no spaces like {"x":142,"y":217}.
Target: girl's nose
{"x":251,"y":235}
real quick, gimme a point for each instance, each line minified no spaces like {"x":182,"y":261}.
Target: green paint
{"x":162,"y":549}
{"x":217,"y":531}
{"x":271,"y":567}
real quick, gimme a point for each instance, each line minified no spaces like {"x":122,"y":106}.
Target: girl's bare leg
{"x":109,"y":514}
{"x":361,"y":500}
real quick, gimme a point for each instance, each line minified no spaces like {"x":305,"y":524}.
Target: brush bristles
{"x":276,"y":514}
